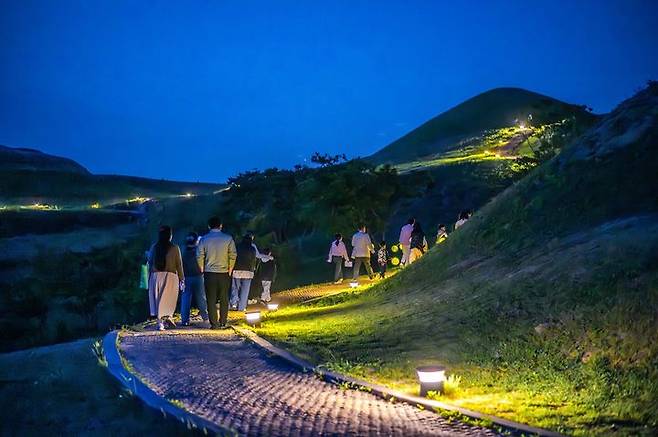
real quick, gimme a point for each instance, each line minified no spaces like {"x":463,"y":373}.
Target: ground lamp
{"x":354,"y":284}
{"x":253,"y":317}
{"x":395,"y":261}
{"x":431,"y":378}
{"x":272,"y":306}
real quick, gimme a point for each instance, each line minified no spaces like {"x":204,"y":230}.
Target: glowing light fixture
{"x":354,"y":284}
{"x":395,"y":248}
{"x":431,"y":378}
{"x":272,"y":306}
{"x":188,"y":194}
{"x":395,"y":261}
{"x":253,"y":317}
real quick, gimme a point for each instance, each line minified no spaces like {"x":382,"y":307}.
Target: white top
{"x":362,"y":245}
{"x":338,"y":250}
{"x":405,"y":234}
{"x":460,"y":223}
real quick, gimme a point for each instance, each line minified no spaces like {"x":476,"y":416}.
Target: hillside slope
{"x":496,"y":108}
{"x":544,"y":306}
{"x":28,"y":176}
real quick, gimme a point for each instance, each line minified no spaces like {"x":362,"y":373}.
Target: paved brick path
{"x":225,"y":379}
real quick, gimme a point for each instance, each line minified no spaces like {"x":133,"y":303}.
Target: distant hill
{"x":16,"y":158}
{"x":494,"y":109}
{"x":29,"y":176}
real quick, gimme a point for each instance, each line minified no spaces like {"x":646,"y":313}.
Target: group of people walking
{"x":212,"y":270}
{"x":215,"y":272}
{"x":412,"y":240}
{"x":362,"y":248}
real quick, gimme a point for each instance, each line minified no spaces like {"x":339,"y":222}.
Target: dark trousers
{"x":218,"y":287}
{"x":357,"y":266}
{"x":338,"y":270}
{"x":382,"y":270}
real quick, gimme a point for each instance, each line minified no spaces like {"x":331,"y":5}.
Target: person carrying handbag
{"x":338,"y":253}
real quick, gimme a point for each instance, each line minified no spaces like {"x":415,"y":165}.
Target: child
{"x":267,"y":270}
{"x":442,"y":235}
{"x":382,"y":259}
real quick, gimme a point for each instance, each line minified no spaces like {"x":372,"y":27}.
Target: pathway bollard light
{"x":253,"y":317}
{"x":431,"y":378}
{"x":272,"y":306}
{"x":354,"y":284}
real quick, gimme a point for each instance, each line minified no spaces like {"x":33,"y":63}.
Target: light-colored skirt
{"x":163,"y":293}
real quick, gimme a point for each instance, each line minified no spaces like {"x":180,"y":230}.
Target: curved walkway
{"x":229,"y":381}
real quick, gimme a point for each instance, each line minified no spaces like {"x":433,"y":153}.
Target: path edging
{"x":385,"y":392}
{"x":129,"y":380}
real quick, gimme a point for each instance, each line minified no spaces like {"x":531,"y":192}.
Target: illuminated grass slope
{"x":494,"y":109}
{"x":544,"y":306}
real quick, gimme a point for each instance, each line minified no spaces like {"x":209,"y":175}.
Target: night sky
{"x":200,"y":90}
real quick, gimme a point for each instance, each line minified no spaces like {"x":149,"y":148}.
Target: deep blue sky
{"x":199,"y":90}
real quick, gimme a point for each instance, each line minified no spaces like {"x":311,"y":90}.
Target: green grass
{"x":493,"y":109}
{"x":544,"y":304}
{"x":63,"y":390}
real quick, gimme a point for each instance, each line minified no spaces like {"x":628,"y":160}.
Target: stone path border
{"x":386,"y":393}
{"x":129,"y":380}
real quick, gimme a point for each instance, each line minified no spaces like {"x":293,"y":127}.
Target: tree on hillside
{"x":326,"y":160}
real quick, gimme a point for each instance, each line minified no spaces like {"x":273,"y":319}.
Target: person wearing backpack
{"x":418,"y":243}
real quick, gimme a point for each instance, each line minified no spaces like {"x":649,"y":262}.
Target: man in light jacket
{"x":216,"y":256}
{"x":362,"y":247}
{"x":405,"y":240}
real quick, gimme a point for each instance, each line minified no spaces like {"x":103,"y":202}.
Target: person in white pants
{"x":267,"y":274}
{"x":405,"y":240}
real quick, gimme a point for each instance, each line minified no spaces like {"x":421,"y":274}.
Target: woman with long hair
{"x":338,"y":253}
{"x":418,"y":243}
{"x":166,"y":277}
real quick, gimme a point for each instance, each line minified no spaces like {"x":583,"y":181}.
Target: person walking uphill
{"x":362,"y":247}
{"x":243,"y":274}
{"x":267,"y":271}
{"x":245,"y":265}
{"x":418,"y":243}
{"x":193,"y":282}
{"x":216,"y":257}
{"x":338,"y":253}
{"x":166,"y":277}
{"x":405,"y":240}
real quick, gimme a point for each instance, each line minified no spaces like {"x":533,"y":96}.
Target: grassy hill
{"x":497,"y":108}
{"x":544,"y":306}
{"x":28,"y":176}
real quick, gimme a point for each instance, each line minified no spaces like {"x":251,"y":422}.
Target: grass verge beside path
{"x":63,"y":390}
{"x":500,"y":365}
